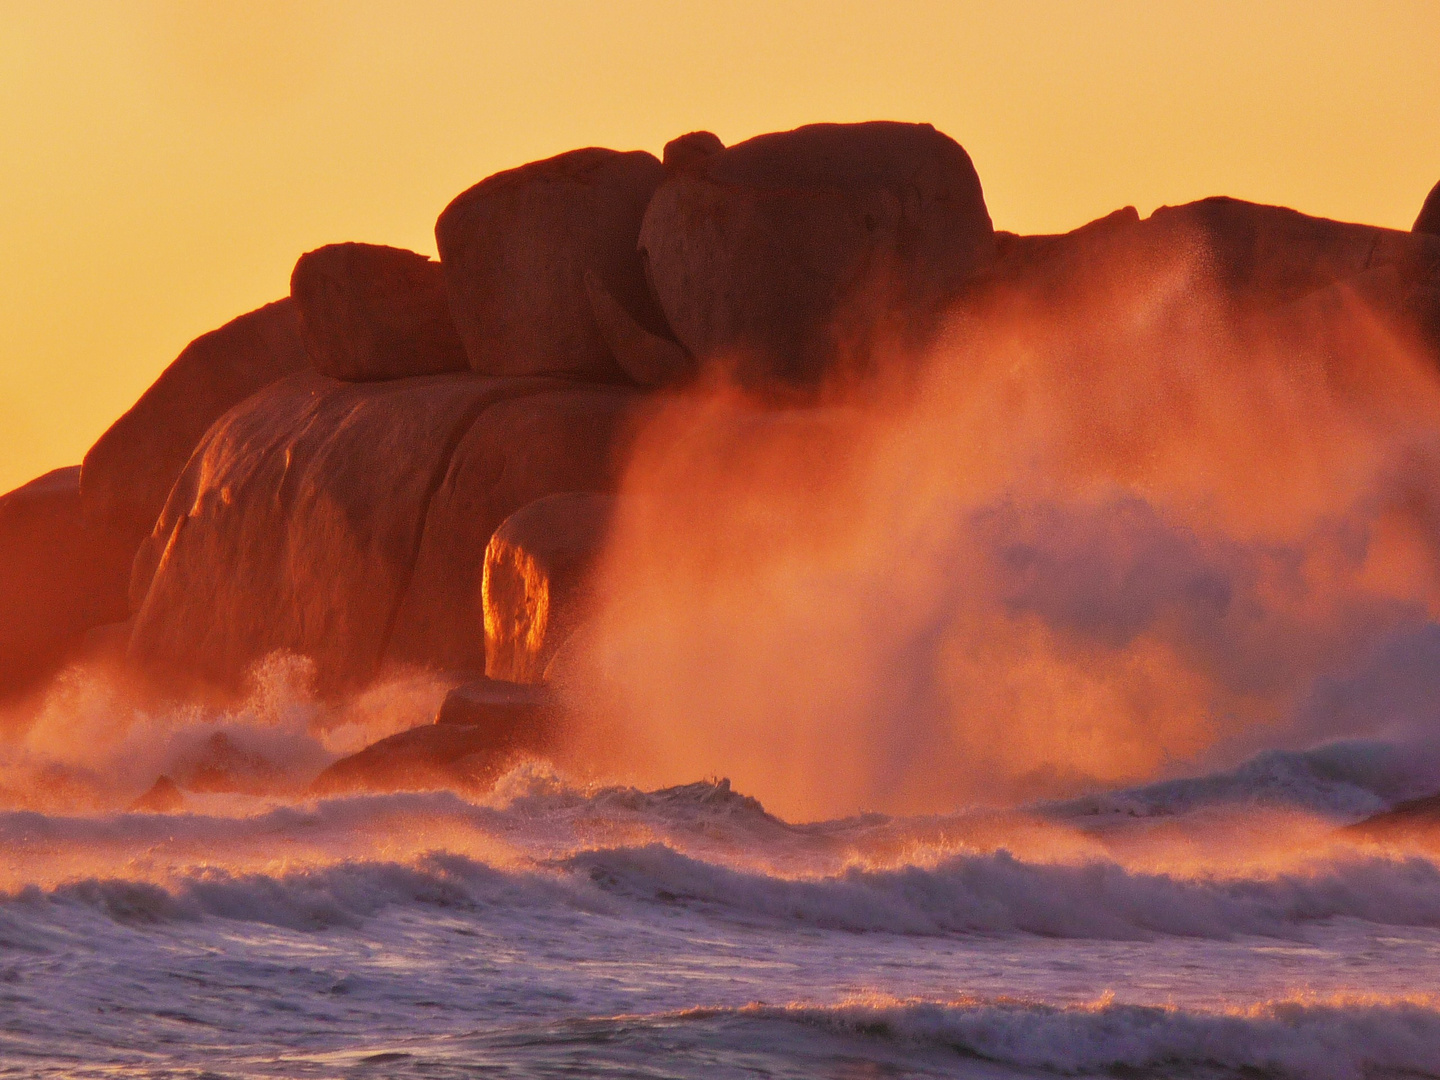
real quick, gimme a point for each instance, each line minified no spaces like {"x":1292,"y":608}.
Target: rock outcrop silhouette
{"x":405,"y":461}
{"x":1428,"y":220}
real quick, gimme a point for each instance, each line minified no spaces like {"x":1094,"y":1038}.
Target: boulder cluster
{"x":408,"y":461}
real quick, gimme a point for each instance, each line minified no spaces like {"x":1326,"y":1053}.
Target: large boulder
{"x":295,"y":525}
{"x":515,"y":249}
{"x":537,"y":587}
{"x":574,"y":438}
{"x":1429,"y":218}
{"x":61,"y":573}
{"x":789,"y":253}
{"x":129,"y":472}
{"x":373,"y":312}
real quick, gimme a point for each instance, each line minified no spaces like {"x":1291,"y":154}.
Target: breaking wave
{"x":700,"y":850}
{"x":1307,"y":1040}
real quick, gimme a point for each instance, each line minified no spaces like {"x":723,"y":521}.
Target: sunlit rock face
{"x":515,"y":249}
{"x":61,"y":573}
{"x":129,"y":472}
{"x":568,"y":438}
{"x":336,"y":520}
{"x":789,"y":253}
{"x":373,"y":312}
{"x":536,"y":586}
{"x":411,"y":463}
{"x":295,"y":525}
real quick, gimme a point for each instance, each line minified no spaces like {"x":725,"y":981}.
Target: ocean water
{"x":1212,"y":927}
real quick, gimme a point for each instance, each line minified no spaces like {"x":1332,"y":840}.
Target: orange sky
{"x":162,"y":164}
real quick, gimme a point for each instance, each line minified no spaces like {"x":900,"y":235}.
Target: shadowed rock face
{"x":163,"y":797}
{"x":1429,"y":219}
{"x":295,"y":526}
{"x":573,"y":438}
{"x":129,"y":472}
{"x":495,"y":701}
{"x":536,"y":586}
{"x":1260,"y":256}
{"x":691,"y":149}
{"x":791,"y":253}
{"x":373,"y":312}
{"x":61,"y":573}
{"x":515,"y":249}
{"x":647,"y":358}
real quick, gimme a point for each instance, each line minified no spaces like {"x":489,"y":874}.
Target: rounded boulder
{"x":787,"y":253}
{"x":370,"y":312}
{"x":515,"y":249}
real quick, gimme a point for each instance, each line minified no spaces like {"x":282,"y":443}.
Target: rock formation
{"x":61,"y":573}
{"x":570,"y":438}
{"x":1270,"y":255}
{"x":515,"y":249}
{"x":536,"y":586}
{"x":785,"y":253}
{"x":296,"y":523}
{"x":409,"y":462}
{"x":373,"y":312}
{"x":690,"y":149}
{"x":464,"y":756}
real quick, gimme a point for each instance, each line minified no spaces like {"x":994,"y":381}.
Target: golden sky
{"x":163,"y":163}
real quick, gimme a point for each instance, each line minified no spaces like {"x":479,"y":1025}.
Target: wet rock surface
{"x":451,"y":755}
